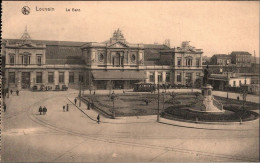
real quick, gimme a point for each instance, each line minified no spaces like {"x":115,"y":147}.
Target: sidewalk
{"x":249,"y":125}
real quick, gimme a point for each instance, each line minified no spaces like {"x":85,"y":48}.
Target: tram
{"x":144,"y":87}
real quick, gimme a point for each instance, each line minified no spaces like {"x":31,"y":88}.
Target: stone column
{"x":56,"y":77}
{"x":156,"y":77}
{"x":183,"y":81}
{"x":45,"y":77}
{"x":147,"y":76}
{"x":163,"y":76}
{"x":66,"y":77}
{"x":19,"y":80}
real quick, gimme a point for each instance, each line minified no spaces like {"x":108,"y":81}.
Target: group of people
{"x":65,"y":109}
{"x":43,"y":110}
{"x":17,"y":92}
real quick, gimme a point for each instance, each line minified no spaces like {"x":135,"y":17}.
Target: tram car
{"x":144,"y":87}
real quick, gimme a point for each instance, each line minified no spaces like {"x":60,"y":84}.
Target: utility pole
{"x":158,"y":115}
{"x":80,"y":94}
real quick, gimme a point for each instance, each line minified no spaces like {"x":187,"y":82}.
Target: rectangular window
{"x":159,"y":77}
{"x":168,"y":77}
{"x":11,"y":59}
{"x":197,"y":73}
{"x":151,"y":77}
{"x":61,"y":77}
{"x":39,"y":60}
{"x":178,"y":77}
{"x":81,"y":78}
{"x":38,"y":77}
{"x":26,"y":59}
{"x":11,"y":77}
{"x":189,"y":62}
{"x":71,"y":77}
{"x":234,"y":83}
{"x":240,"y":83}
{"x":50,"y":77}
{"x":179,"y":62}
{"x":198,"y":62}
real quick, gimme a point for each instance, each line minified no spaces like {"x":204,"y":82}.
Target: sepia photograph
{"x":130,"y":81}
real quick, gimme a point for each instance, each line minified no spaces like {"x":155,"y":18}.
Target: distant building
{"x":231,"y":80}
{"x":241,"y":58}
{"x":220,"y":59}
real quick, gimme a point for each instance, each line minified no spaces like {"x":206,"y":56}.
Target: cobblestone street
{"x":75,"y":136}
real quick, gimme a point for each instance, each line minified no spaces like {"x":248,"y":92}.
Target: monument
{"x":211,"y":105}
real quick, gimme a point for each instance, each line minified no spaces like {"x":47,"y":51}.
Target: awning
{"x":118,"y":75}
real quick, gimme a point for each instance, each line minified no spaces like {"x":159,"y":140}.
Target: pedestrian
{"x":92,"y":105}
{"x":237,"y":98}
{"x":75,"y":100}
{"x":40,"y":110}
{"x":11,"y":91}
{"x":67,"y":107}
{"x":88,"y":105}
{"x":4,"y":107}
{"x":94,"y":91}
{"x":17,"y":92}
{"x":64,"y":108}
{"x":98,"y":119}
{"x":44,"y":110}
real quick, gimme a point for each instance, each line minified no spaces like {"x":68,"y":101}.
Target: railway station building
{"x":112,"y":64}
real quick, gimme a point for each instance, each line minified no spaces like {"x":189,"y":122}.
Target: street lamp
{"x":113,"y":96}
{"x":158,"y":114}
{"x":244,"y":92}
{"x":227,"y":86}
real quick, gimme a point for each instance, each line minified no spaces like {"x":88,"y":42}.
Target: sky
{"x":217,"y":27}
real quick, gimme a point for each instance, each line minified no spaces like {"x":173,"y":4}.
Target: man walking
{"x":75,"y":100}
{"x":17,"y":92}
{"x":11,"y":91}
{"x":63,"y":108}
{"x":4,"y":107}
{"x":40,"y":110}
{"x":44,"y":110}
{"x":67,"y":107}
{"x":98,"y":119}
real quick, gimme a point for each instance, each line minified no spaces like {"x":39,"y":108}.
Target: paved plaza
{"x":75,"y":136}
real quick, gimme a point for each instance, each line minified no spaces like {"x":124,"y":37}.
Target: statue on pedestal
{"x":206,"y":76}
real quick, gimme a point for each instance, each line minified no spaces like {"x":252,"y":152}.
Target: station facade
{"x":113,"y":64}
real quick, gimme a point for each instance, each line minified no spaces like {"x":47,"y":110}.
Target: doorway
{"x":25,"y":80}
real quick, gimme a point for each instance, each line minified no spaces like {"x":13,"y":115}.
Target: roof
{"x":118,"y":75}
{"x":63,"y":55}
{"x":49,"y":42}
{"x":59,"y":52}
{"x":221,"y":55}
{"x":155,"y":46}
{"x":240,"y":53}
{"x":150,"y":54}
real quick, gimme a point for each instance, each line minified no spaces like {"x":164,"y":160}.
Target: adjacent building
{"x":241,"y":58}
{"x":220,"y":59}
{"x":113,"y":64}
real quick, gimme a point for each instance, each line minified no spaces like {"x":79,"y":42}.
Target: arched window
{"x":189,"y":61}
{"x":133,"y":58}
{"x":100,"y":57}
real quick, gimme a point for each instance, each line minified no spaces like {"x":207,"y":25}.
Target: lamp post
{"x":113,"y":100}
{"x":80,"y":94}
{"x":244,"y":94}
{"x":158,"y":114}
{"x":227,"y":86}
